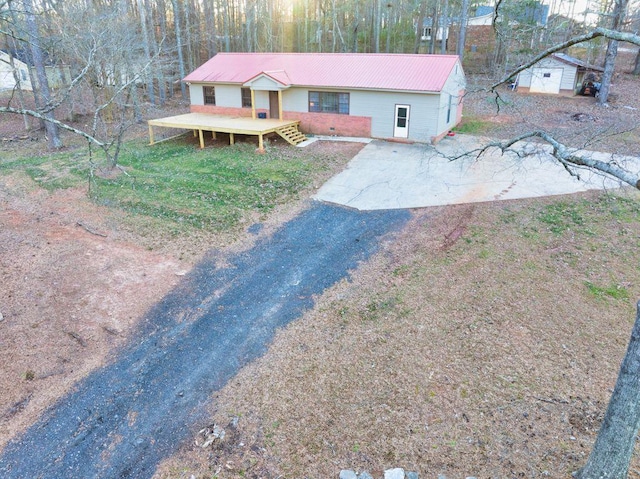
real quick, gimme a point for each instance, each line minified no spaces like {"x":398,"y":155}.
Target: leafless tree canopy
{"x":121,"y":54}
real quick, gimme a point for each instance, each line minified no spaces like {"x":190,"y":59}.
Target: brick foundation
{"x":331,"y":124}
{"x":314,"y":123}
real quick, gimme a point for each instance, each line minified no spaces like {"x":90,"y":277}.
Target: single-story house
{"x":7,"y":67}
{"x":558,"y":73}
{"x":411,"y":97}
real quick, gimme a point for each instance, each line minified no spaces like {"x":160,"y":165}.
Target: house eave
{"x":323,"y":87}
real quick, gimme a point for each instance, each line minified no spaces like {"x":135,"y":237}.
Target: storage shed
{"x":558,"y":74}
{"x":408,"y":97}
{"x":9,"y":68}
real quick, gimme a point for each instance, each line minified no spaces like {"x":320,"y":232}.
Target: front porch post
{"x":201,"y":139}
{"x":232,"y":139}
{"x":260,"y":143}
{"x":150,"y":135}
{"x":253,"y":104}
{"x":280,"y":104}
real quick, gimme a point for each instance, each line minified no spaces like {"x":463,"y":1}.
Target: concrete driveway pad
{"x":386,"y":175}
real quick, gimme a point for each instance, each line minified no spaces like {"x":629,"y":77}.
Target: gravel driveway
{"x":123,"y":419}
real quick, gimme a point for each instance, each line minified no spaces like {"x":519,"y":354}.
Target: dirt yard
{"x":578,"y":121}
{"x":72,"y":289}
{"x":472,"y":345}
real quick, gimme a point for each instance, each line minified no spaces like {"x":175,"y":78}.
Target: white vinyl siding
{"x":568,"y":73}
{"x":380,"y":107}
{"x":545,"y":80}
{"x":428,"y":110}
{"x":226,"y":95}
{"x":196,"y":94}
{"x":450,"y":100}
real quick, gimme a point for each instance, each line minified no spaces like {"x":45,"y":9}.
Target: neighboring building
{"x":412,"y":97}
{"x":559,"y":73}
{"x":483,"y":17}
{"x":59,"y":76}
{"x":7,"y":78}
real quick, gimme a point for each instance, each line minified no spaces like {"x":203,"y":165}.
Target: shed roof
{"x":563,"y":57}
{"x":333,"y":70}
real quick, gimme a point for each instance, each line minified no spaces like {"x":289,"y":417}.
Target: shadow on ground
{"x":122,"y":420}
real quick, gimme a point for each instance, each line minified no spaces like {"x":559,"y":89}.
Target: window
{"x":328,"y":102}
{"x":246,"y":97}
{"x":449,"y":110}
{"x":209,"y":95}
{"x":547,"y":75}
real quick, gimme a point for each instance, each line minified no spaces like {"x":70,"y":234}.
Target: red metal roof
{"x":377,"y":71}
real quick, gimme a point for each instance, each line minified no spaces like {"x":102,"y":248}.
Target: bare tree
{"x":113,"y":63}
{"x":176,"y":19}
{"x":10,"y":40}
{"x":42,"y":90}
{"x":619,"y":11}
{"x":420,"y":26}
{"x":462,"y":35}
{"x":616,"y":439}
{"x":614,"y":445}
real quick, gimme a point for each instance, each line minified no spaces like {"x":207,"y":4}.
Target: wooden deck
{"x":200,"y":122}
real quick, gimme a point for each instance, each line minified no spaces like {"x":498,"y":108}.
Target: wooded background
{"x":122,"y":55}
{"x":169,"y":38}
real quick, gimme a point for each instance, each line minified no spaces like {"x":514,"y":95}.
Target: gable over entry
{"x":268,"y":81}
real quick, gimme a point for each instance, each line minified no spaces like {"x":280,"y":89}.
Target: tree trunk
{"x":377,"y":18}
{"x":176,"y":22}
{"x":147,"y":50}
{"x":43,"y":83}
{"x":619,"y":11}
{"x":607,"y":76}
{"x":636,"y":68}
{"x":226,"y":26}
{"x":435,"y":26}
{"x":445,"y":28}
{"x":420,"y":26}
{"x":153,"y":45}
{"x":210,"y":29}
{"x":18,"y":79}
{"x":387,"y":28}
{"x":356,"y":24}
{"x":462,"y":36}
{"x":612,"y":451}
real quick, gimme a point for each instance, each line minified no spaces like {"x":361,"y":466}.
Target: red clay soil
{"x":71,"y":292}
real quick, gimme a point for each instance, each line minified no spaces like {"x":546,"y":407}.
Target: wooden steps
{"x":291,"y":134}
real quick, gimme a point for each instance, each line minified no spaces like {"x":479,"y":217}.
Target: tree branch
{"x":40,"y":116}
{"x":567,"y":156}
{"x":597,"y":32}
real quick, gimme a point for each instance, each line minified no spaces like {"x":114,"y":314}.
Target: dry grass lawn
{"x":484,"y":341}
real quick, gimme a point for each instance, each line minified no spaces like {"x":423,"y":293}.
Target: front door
{"x":401,"y":125}
{"x":274,"y":109}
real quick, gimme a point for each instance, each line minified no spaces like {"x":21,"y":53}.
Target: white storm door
{"x":401,"y":125}
{"x":545,"y":80}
